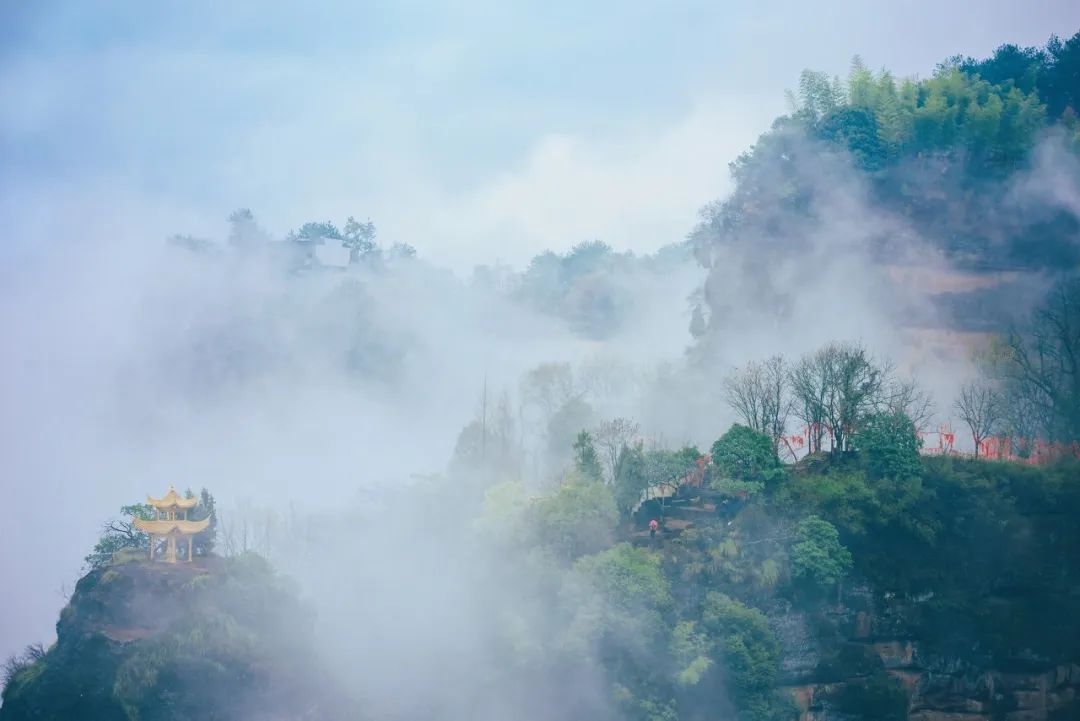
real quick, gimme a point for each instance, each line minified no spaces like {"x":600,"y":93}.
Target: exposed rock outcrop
{"x":224,"y":639}
{"x":873,"y":659}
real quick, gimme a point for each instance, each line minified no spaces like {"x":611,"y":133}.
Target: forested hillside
{"x":870,"y":584}
{"x":971,"y":169}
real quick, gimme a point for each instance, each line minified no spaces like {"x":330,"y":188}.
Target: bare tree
{"x":1025,"y":415}
{"x":759,"y":394}
{"x":835,"y":388}
{"x":809,"y":380}
{"x":503,"y":431}
{"x":231,"y":542}
{"x":980,"y":408}
{"x":906,"y":396}
{"x":611,"y":437}
{"x":1043,"y":364}
{"x":857,"y":382}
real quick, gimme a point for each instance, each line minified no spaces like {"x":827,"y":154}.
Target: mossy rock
{"x":128,"y":555}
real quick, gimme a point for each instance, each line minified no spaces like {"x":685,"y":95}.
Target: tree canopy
{"x":817,"y":557}
{"x":745,"y":454}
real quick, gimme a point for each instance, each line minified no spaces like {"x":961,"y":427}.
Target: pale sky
{"x":472,"y":130}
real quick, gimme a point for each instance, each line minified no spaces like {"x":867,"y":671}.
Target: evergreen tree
{"x":586,"y":460}
{"x":817,"y":556}
{"x":204,"y":541}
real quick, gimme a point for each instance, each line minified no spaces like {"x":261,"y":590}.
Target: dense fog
{"x":351,"y":414}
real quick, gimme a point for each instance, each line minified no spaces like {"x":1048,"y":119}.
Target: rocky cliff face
{"x":224,"y":639}
{"x":865,"y":660}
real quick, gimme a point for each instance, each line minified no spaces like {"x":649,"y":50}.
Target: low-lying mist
{"x":311,"y":400}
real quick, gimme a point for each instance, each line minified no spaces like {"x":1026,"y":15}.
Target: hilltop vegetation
{"x":972,"y":164}
{"x":222,"y":638}
{"x":805,"y":580}
{"x":812,"y":574}
{"x":751,"y":589}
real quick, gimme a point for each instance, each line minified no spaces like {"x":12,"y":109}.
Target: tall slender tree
{"x":979,"y":407}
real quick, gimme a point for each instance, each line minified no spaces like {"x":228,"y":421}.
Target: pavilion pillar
{"x":170,"y":526}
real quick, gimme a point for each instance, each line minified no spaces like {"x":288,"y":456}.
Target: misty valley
{"x":818,"y":460}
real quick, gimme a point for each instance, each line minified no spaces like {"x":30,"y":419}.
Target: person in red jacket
{"x":653,"y":525}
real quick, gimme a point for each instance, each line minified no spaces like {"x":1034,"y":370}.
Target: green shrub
{"x":817,"y":556}
{"x":745,"y":454}
{"x":889,"y":446}
{"x":746,"y":647}
{"x":579,"y":518}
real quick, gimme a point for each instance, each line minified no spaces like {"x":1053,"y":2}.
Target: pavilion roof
{"x":172,"y":499}
{"x":165,"y":526}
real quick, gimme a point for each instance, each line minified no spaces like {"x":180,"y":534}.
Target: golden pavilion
{"x":167,"y":526}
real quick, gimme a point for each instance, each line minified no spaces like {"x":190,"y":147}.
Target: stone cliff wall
{"x":863,"y":660}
